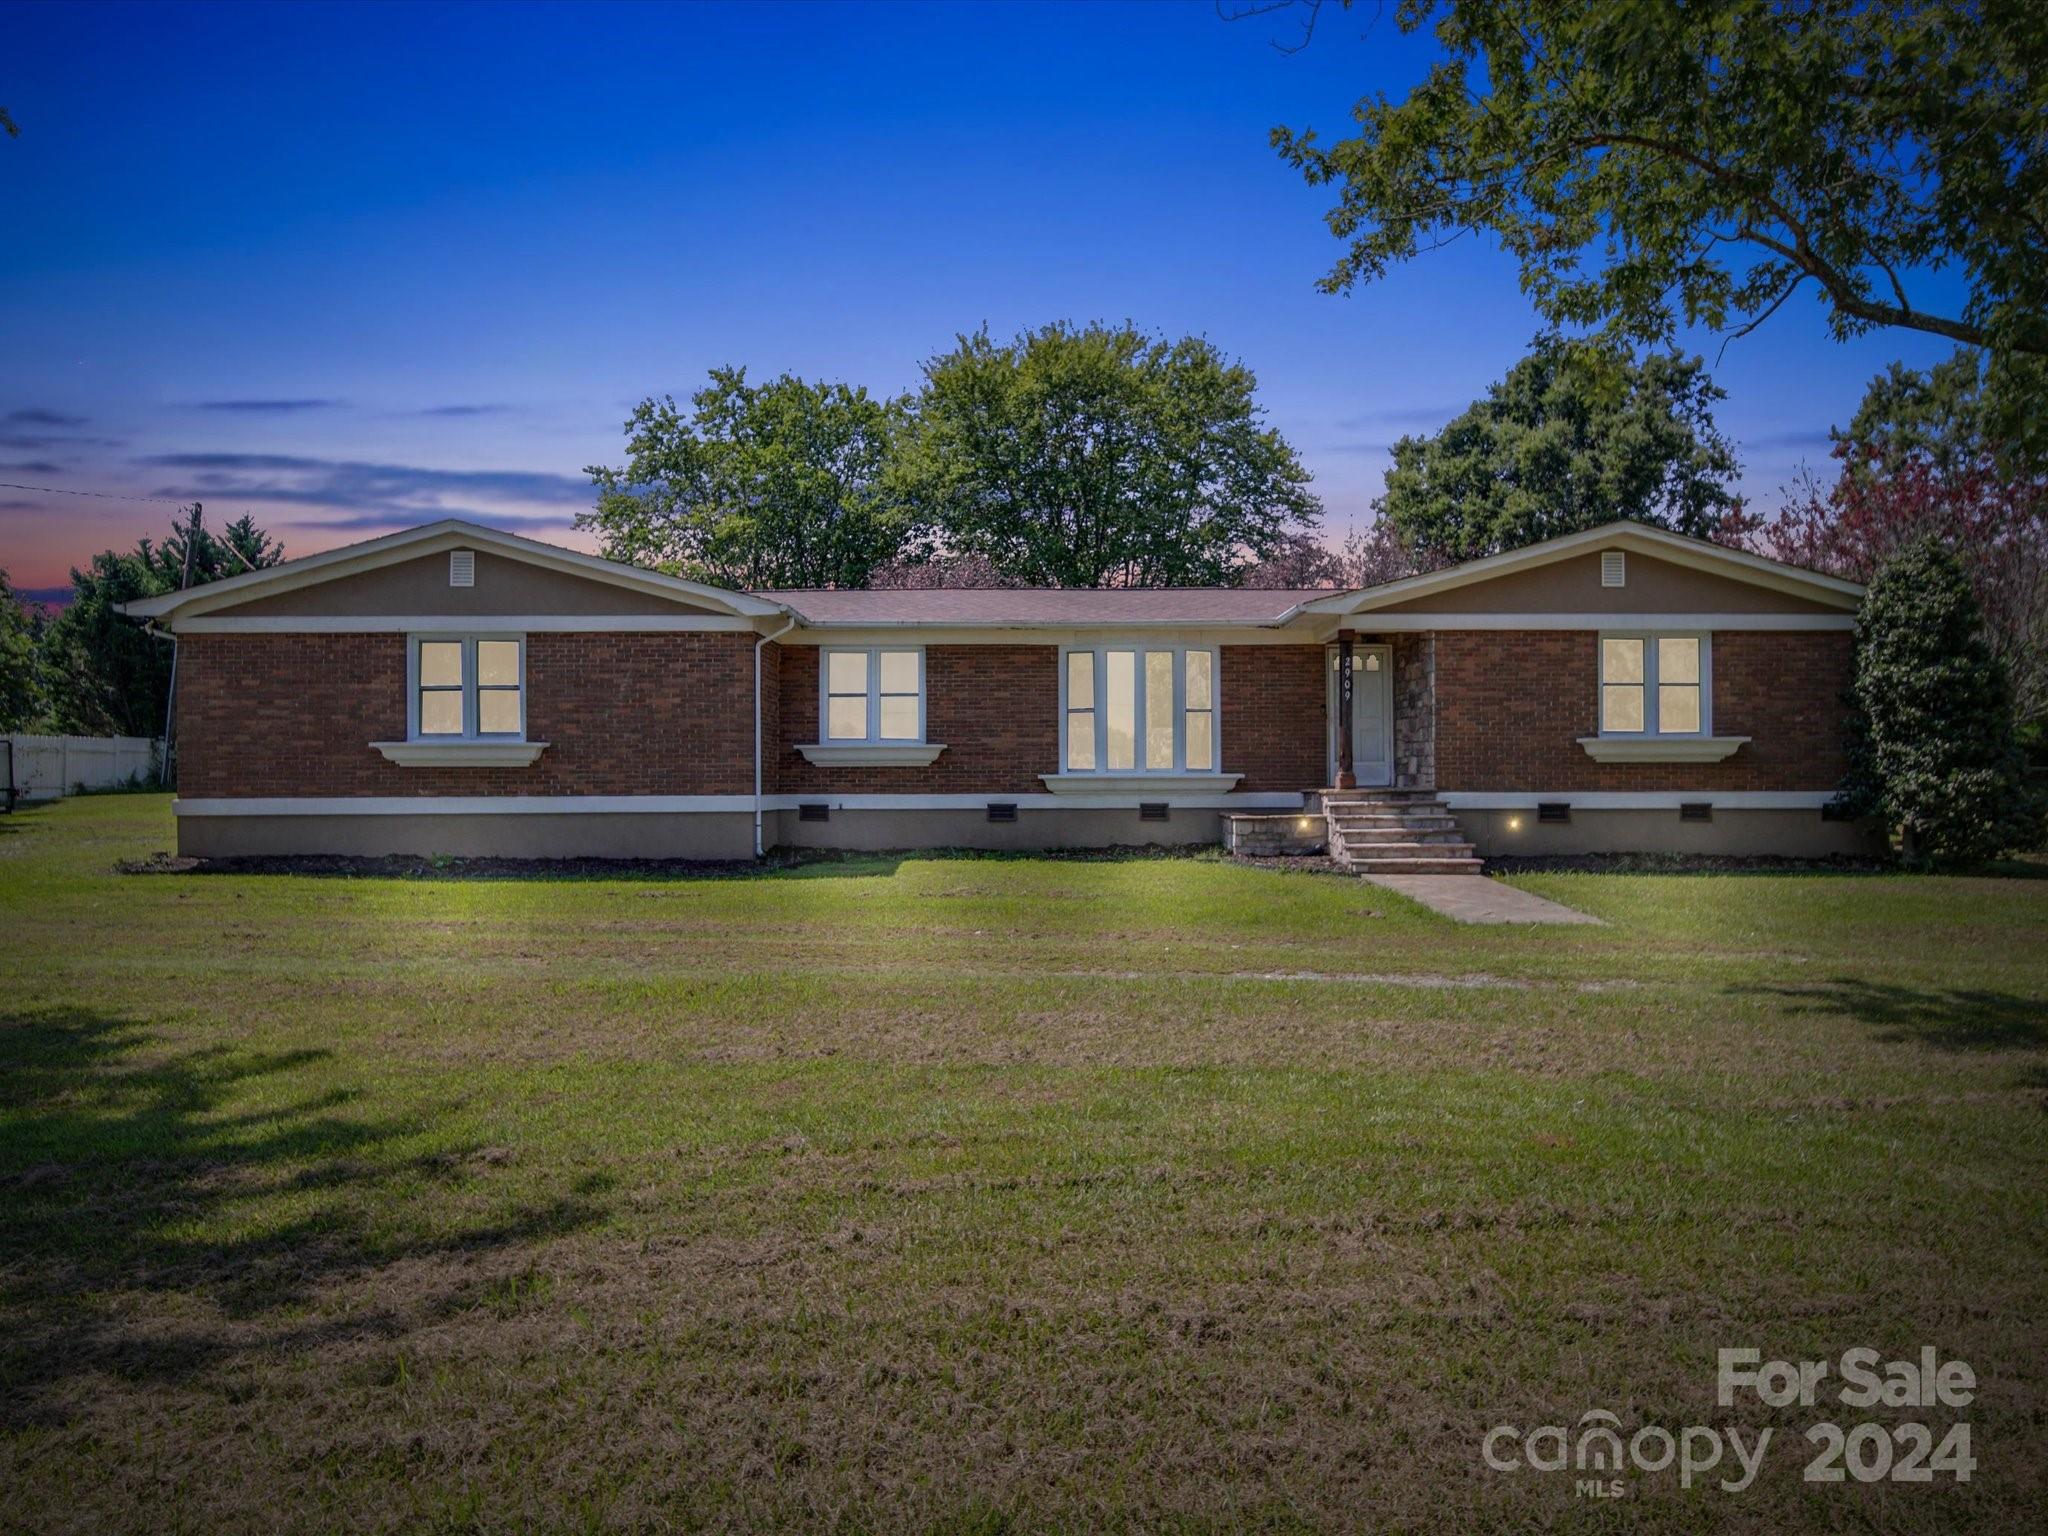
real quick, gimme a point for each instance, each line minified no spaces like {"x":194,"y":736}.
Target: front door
{"x":1372,"y":713}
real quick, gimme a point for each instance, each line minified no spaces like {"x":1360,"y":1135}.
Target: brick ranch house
{"x":451,"y":689}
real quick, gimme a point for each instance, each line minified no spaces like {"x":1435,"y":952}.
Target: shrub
{"x":1933,"y":745}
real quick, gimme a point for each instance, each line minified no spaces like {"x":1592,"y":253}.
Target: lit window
{"x":467,"y":687}
{"x":1139,"y":709}
{"x":1653,"y":685}
{"x":873,"y":694}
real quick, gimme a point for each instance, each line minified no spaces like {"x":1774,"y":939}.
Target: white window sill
{"x":872,"y":754}
{"x":461,"y":754}
{"x":1165,"y":783}
{"x":1660,"y":749}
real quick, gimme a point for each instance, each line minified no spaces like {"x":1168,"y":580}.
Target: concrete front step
{"x":1418,"y":866}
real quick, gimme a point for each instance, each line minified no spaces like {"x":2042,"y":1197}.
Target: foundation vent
{"x":1554,"y":811}
{"x":813,"y":810}
{"x":1613,"y":568}
{"x":1696,"y":810}
{"x":1001,"y":812}
{"x":1151,"y":810}
{"x":461,"y":567}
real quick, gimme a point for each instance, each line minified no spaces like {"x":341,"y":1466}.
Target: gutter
{"x":777,"y":635}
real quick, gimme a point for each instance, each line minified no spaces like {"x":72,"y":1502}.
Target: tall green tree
{"x":1575,"y":436}
{"x":770,"y":485}
{"x":1652,"y":164}
{"x":1935,"y":753}
{"x":21,"y":692}
{"x":106,"y":675}
{"x":1089,"y":456}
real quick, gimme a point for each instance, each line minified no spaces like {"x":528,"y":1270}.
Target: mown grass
{"x":976,"y":1194}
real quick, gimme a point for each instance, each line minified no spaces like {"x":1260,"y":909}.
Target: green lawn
{"x":981,"y":1194}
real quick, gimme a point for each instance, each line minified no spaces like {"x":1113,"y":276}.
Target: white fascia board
{"x":556,"y":805}
{"x":1659,"y":543}
{"x":1060,"y":634}
{"x":428,"y":539}
{"x":1638,"y":800}
{"x":1408,"y":623}
{"x":429,"y":624}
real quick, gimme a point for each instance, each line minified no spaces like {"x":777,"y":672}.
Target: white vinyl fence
{"x":48,"y":766}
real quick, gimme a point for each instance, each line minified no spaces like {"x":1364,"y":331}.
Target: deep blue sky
{"x":355,"y":267}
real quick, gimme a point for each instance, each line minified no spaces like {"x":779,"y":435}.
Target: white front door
{"x":1372,"y":713}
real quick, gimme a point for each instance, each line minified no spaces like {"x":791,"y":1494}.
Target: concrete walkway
{"x":1476,"y":899}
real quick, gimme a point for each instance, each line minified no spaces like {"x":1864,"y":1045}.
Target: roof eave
{"x":370,"y":554}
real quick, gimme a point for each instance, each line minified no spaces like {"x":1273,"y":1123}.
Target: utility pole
{"x":171,"y":701}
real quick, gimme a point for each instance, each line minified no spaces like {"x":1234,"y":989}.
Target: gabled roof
{"x":1046,"y":607}
{"x":429,"y":539}
{"x":1641,"y":538}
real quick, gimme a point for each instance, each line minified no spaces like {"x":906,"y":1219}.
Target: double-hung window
{"x":872,"y":695}
{"x":467,"y":688}
{"x":1654,"y":685}
{"x":1138,"y":709}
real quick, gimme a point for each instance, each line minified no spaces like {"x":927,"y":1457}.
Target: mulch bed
{"x":1684,"y":864}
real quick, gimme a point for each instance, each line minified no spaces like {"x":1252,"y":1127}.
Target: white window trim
{"x":1179,"y":768}
{"x":470,"y":733}
{"x":1649,"y":732}
{"x":873,"y":738}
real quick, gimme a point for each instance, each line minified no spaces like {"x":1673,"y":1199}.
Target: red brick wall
{"x":996,"y":707}
{"x":624,"y":714}
{"x":1275,"y":716}
{"x":1511,"y":706}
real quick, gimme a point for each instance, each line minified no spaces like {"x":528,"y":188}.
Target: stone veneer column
{"x":1415,"y":711}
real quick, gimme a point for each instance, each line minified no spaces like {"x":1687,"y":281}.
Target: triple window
{"x":467,"y":687}
{"x":1654,"y":685}
{"x":1138,"y":709}
{"x":873,"y":694}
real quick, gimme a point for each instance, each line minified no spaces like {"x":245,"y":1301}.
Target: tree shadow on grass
{"x":130,"y":1190}
{"x":1946,"y":1018}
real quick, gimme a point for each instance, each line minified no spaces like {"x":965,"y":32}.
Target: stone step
{"x":1408,"y":850}
{"x":1415,"y":866}
{"x":1356,"y":795}
{"x":1348,"y":816}
{"x":1381,"y":837}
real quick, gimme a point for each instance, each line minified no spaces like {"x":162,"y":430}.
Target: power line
{"x":58,"y":490}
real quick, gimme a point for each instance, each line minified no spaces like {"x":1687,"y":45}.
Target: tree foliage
{"x":104,"y":674}
{"x":21,"y":693}
{"x":1652,"y":164}
{"x":769,"y":485}
{"x":1099,"y":456}
{"x":1936,"y":754}
{"x":1918,"y":461}
{"x":1575,"y":436}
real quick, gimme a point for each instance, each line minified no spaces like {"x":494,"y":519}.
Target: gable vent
{"x":461,"y":567}
{"x":1613,"y":568}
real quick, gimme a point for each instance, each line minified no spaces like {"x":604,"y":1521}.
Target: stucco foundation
{"x":587,"y":835}
{"x":1055,"y":827}
{"x":1748,"y":833}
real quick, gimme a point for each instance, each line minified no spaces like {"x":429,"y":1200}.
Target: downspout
{"x":786,"y":628}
